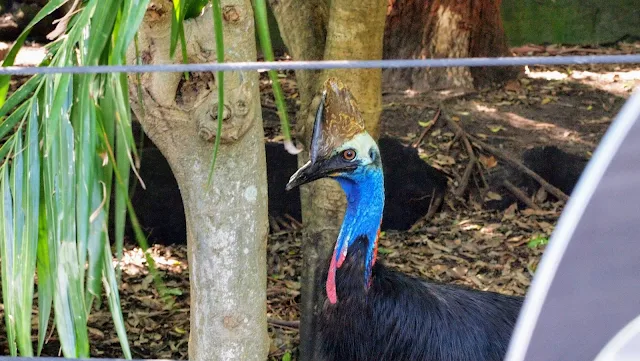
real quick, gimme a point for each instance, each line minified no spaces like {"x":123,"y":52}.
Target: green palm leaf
{"x":54,"y":188}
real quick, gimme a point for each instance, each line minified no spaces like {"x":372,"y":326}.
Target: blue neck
{"x":365,"y":202}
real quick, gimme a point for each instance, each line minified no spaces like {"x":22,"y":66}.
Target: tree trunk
{"x":418,"y":29}
{"x":226,"y":224}
{"x":352,"y":30}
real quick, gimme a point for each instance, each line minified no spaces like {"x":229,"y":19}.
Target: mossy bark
{"x":227,"y":223}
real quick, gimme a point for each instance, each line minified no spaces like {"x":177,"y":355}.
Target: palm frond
{"x":55,"y":188}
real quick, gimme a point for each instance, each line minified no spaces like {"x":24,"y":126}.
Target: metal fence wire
{"x":310,"y":65}
{"x":327,"y":64}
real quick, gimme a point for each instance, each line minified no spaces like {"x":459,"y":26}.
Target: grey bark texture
{"x":227,"y":223}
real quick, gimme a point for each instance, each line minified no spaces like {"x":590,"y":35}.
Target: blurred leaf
{"x":50,"y":7}
{"x":55,"y":188}
{"x":8,"y":257}
{"x":444,"y":159}
{"x":111,"y":286}
{"x":488,"y":162}
{"x":495,"y":128}
{"x":262,"y":27}
{"x":383,"y":250}
{"x":425,"y":124}
{"x":46,"y":260}
{"x":193,"y":8}
{"x":219,"y":35}
{"x":492,"y":196}
{"x":177,"y":28}
{"x":538,"y":241}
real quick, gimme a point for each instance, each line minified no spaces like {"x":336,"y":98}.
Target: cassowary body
{"x":405,"y":318}
{"x":372,"y":312}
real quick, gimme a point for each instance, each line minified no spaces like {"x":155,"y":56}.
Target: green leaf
{"x":111,"y":286}
{"x":10,"y":122}
{"x":50,"y":7}
{"x":495,"y":128}
{"x":132,"y":15}
{"x":425,"y":124}
{"x":139,"y":77}
{"x":46,"y":265}
{"x":286,"y":356}
{"x":8,"y":258}
{"x":262,"y":27}
{"x":31,"y":208}
{"x":193,"y":8}
{"x":23,"y":281}
{"x":383,"y":250}
{"x":84,"y":176}
{"x":177,"y":28}
{"x":538,"y":241}
{"x":69,"y":304}
{"x":17,"y":97}
{"x":122,"y":192}
{"x":219,"y":35}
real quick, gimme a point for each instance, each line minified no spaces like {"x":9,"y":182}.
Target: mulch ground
{"x":568,"y":106}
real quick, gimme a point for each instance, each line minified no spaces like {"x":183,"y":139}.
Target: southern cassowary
{"x":372,"y":312}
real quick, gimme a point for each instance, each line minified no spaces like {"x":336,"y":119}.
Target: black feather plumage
{"x":404,"y":318}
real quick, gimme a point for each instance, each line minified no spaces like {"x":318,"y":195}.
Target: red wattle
{"x":375,"y":247}
{"x":331,"y":281}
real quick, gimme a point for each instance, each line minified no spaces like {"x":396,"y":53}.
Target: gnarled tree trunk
{"x":418,"y":29}
{"x":227,"y":223}
{"x":313,"y":31}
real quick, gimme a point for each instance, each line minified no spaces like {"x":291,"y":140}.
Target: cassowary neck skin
{"x":364,"y":189}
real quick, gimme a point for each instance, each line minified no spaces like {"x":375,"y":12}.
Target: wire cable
{"x":326,"y":64}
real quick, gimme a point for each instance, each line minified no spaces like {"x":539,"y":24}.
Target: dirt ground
{"x":567,"y":106}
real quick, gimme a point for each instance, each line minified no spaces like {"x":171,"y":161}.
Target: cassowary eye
{"x":349,"y":154}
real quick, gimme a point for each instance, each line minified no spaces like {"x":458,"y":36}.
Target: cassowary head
{"x":340,"y":145}
{"x":342,"y":149}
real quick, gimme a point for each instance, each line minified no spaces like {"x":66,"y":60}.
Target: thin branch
{"x":520,"y":195}
{"x":294,"y":325}
{"x":434,"y":204}
{"x":426,"y":130}
{"x":473,"y":160}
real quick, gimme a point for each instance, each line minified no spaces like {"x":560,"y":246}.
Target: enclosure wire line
{"x":326,"y":64}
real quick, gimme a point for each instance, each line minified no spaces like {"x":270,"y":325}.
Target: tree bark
{"x":417,"y":29}
{"x":226,"y":224}
{"x":352,"y":30}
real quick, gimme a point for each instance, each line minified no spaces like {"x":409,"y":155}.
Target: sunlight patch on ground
{"x":546,"y":75}
{"x":29,"y":55}
{"x":134,"y":262}
{"x":520,"y":122}
{"x":616,"y":82}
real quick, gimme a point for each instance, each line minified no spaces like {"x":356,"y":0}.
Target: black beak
{"x":321,"y":169}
